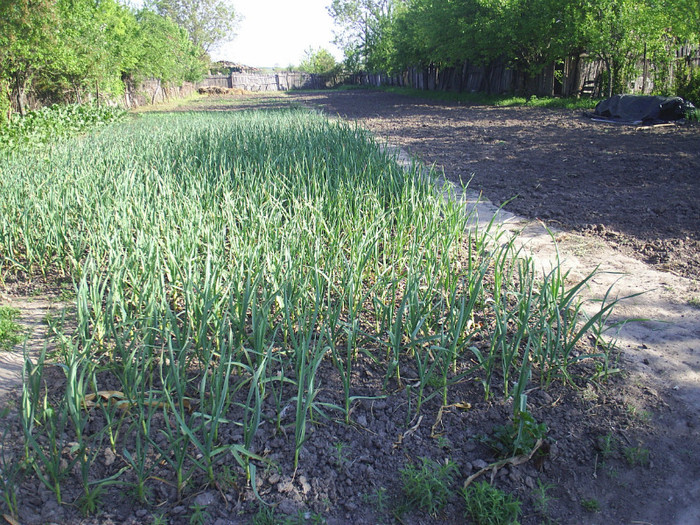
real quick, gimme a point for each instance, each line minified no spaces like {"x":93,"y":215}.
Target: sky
{"x":277,"y":32}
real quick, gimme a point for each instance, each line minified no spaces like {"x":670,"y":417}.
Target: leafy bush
{"x":487,"y":505}
{"x":49,"y":123}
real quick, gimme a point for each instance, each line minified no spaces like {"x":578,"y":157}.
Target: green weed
{"x":607,"y":445}
{"x":590,"y":505}
{"x":159,"y":519}
{"x":487,"y":505}
{"x":49,"y":123}
{"x":496,"y":100}
{"x":542,"y":498}
{"x":517,"y":437}
{"x":10,"y":330}
{"x":341,"y":455}
{"x":268,"y":516}
{"x":200,"y":515}
{"x":378,"y":498}
{"x":428,"y":487}
{"x":636,"y":456}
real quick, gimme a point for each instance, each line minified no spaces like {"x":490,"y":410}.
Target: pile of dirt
{"x":218,"y":90}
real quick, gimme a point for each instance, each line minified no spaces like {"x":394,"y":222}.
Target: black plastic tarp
{"x":639,"y":109}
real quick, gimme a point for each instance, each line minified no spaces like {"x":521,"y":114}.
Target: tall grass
{"x":220,"y":260}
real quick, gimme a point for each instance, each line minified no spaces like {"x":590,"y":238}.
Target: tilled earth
{"x":636,"y":187}
{"x":613,"y":449}
{"x":601,"y":457}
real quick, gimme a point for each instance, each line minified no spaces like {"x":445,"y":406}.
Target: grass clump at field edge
{"x":220,"y":260}
{"x":10,"y":330}
{"x":497,"y":100}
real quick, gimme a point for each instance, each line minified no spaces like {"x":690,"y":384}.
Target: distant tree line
{"x":66,"y":50}
{"x":389,"y":36}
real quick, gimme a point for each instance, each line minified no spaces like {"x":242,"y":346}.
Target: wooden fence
{"x":283,"y":81}
{"x":567,"y":78}
{"x":154,"y":91}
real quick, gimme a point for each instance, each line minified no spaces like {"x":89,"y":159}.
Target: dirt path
{"x":34,"y":314}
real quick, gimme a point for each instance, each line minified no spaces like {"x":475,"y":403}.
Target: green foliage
{"x":319,"y":62}
{"x":688,"y":83}
{"x":391,"y":35}
{"x":428,"y":487}
{"x":10,"y":330}
{"x":487,"y":505}
{"x":49,"y":123}
{"x":241,"y":307}
{"x":94,"y":45}
{"x":72,"y":50}
{"x":591,"y":505}
{"x":207,"y":22}
{"x":621,"y":32}
{"x":27,"y":44}
{"x":636,"y":456}
{"x":165,"y":51}
{"x":517,"y":437}
{"x":363,"y":30}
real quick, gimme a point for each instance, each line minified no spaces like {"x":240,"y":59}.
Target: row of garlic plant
{"x":218,"y":259}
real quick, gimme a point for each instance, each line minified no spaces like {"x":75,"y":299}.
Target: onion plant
{"x":220,"y":260}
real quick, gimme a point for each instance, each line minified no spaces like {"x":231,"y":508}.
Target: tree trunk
{"x":78,"y":96}
{"x":6,"y":98}
{"x":20,"y":88}
{"x":155,"y":92}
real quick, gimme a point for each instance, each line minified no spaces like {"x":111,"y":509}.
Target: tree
{"x":165,"y":51}
{"x":536,"y":33}
{"x":208,"y":22}
{"x":318,"y":61}
{"x":96,"y":43}
{"x":620,"y":32}
{"x":362,"y":30}
{"x":27,"y":38}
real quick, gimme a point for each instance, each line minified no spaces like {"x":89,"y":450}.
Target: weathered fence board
{"x":564,"y":79}
{"x":282,"y":81}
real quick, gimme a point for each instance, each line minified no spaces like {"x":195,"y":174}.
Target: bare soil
{"x":636,"y":187}
{"x":622,"y":451}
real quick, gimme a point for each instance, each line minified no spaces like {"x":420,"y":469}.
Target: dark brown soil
{"x":638,"y":188}
{"x":603,"y":454}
